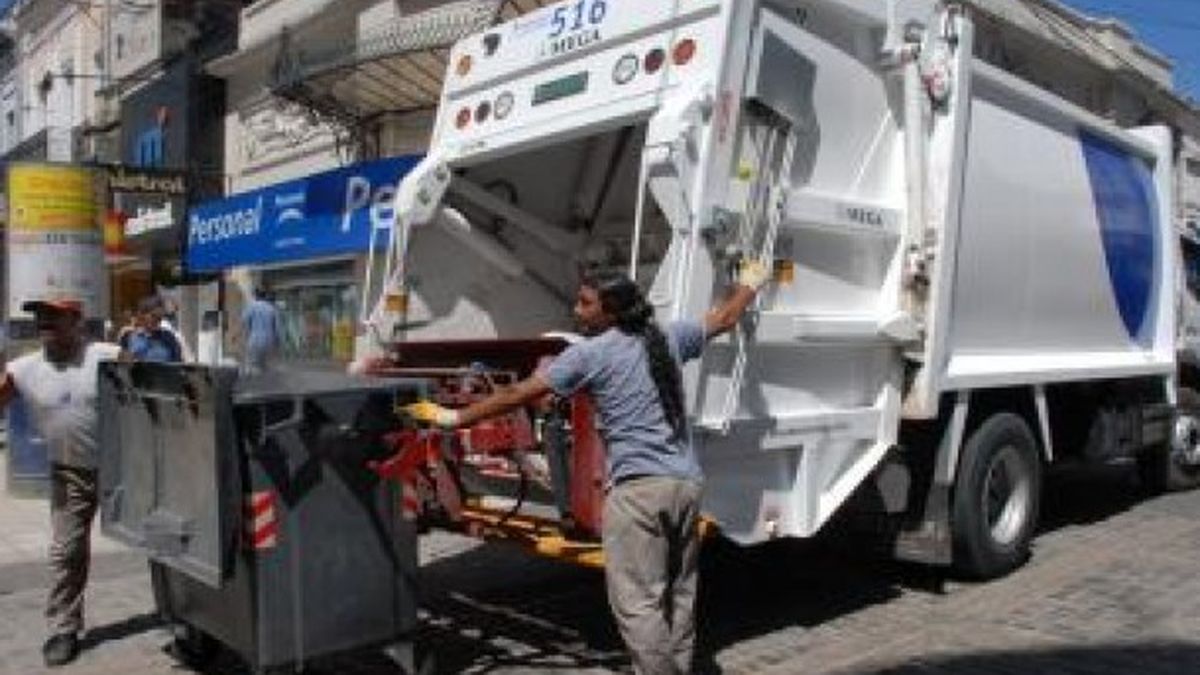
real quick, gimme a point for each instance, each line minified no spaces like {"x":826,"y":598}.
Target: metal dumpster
{"x":255,"y":498}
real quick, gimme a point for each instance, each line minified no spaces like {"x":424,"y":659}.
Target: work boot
{"x":60,"y":649}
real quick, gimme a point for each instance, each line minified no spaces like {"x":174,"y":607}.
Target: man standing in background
{"x":262,"y":332}
{"x":150,"y":340}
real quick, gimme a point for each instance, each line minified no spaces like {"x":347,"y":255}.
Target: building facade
{"x":164,"y":141}
{"x":59,"y":67}
{"x":309,"y":99}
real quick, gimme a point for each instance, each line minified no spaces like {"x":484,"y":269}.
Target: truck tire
{"x":1167,"y":467}
{"x":996,"y":497}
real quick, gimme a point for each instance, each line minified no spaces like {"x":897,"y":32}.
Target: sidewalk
{"x":25,"y":528}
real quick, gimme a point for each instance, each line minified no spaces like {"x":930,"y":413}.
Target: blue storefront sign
{"x":327,"y":214}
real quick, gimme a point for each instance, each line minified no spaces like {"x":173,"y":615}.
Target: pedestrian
{"x":129,"y":324}
{"x":149,"y":340}
{"x":169,"y":321}
{"x":631,"y":368}
{"x":58,"y":385}
{"x":262,"y":331}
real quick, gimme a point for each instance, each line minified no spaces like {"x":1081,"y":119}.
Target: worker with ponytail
{"x":631,"y":368}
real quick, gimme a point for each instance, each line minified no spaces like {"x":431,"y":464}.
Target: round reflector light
{"x":463,"y":119}
{"x":504,"y":105}
{"x":626,"y":68}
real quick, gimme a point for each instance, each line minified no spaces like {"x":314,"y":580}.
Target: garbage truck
{"x":973,"y":278}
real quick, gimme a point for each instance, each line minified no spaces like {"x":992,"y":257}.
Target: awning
{"x":396,"y":69}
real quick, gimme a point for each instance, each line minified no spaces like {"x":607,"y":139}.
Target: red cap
{"x":69,"y":305}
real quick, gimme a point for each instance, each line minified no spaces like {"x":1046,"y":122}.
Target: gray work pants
{"x":73,"y":500}
{"x":651,"y":548}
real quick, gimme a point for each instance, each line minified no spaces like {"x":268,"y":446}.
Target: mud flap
{"x":929,"y":540}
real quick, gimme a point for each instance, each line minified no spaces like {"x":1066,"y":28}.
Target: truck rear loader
{"x":973,"y":277}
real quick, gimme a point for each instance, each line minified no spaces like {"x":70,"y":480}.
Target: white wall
{"x":51,"y":52}
{"x":136,"y":36}
{"x":1188,"y":172}
{"x":10,"y":112}
{"x":267,"y":139}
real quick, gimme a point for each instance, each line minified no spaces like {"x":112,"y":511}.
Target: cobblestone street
{"x":1112,"y":588}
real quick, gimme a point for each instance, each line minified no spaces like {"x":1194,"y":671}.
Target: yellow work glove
{"x":432,"y":413}
{"x":753,"y":274}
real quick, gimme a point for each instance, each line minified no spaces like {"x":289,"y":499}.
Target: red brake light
{"x":654,"y":60}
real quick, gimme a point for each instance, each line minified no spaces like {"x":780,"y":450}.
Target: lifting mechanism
{"x":534,"y":477}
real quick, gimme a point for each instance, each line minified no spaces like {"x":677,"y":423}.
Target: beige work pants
{"x":651,"y":549}
{"x":73,"y":501}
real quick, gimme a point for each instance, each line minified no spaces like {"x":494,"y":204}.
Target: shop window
{"x":319,"y":321}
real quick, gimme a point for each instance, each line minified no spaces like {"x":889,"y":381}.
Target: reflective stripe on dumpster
{"x":262,"y":524}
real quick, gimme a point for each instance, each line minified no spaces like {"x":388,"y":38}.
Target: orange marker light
{"x":683,"y":52}
{"x":464,"y":65}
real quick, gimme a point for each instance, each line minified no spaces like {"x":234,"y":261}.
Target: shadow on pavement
{"x":496,"y":607}
{"x":500,"y":607}
{"x":134,"y":625}
{"x":1145,"y":659}
{"x":1082,"y":495}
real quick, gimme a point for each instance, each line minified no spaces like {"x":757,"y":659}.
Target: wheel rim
{"x":1006,"y":495}
{"x":1187,"y":440}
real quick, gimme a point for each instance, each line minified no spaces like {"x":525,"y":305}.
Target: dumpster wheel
{"x":192,"y":647}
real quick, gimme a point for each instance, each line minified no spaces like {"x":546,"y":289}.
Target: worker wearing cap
{"x":58,"y":385}
{"x":631,"y":368}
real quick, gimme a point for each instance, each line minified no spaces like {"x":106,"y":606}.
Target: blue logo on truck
{"x":1127,"y":209}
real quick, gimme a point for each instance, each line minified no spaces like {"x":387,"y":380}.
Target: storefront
{"x":143,"y":234}
{"x":303,"y":242}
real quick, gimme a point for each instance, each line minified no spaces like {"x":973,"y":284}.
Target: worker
{"x":58,"y":385}
{"x":631,"y":368}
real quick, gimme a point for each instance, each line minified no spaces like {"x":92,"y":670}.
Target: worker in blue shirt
{"x":631,"y":368}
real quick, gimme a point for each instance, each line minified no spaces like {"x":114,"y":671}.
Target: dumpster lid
{"x":280,"y":384}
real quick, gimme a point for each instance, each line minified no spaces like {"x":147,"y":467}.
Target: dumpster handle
{"x":294,"y":420}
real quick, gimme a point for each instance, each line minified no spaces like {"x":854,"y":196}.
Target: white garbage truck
{"x":973,"y":278}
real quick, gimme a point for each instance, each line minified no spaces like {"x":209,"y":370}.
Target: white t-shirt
{"x":62,"y":401}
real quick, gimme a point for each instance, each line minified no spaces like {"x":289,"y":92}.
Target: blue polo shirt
{"x":613,"y":368}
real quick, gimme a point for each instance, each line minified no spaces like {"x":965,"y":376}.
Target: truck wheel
{"x":1175,"y":466}
{"x":996,"y":497}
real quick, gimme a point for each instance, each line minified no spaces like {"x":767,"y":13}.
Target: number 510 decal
{"x":573,"y":16}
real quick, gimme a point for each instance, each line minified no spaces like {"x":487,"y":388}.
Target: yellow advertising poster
{"x":46,"y":197}
{"x":55,"y":240}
